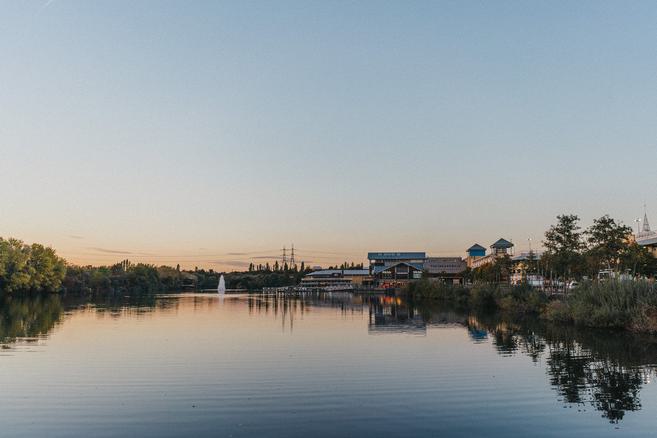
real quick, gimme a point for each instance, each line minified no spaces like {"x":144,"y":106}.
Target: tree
{"x":563,"y":243}
{"x":532,"y":262}
{"x":638,"y":260}
{"x":29,"y":267}
{"x":607,"y":240}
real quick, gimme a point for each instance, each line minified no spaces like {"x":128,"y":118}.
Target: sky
{"x":213,"y":134}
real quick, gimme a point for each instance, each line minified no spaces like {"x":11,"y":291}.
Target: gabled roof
{"x":379,"y":269}
{"x":396,"y":255}
{"x":536,"y":255}
{"x":476,"y":247}
{"x":502,"y":244}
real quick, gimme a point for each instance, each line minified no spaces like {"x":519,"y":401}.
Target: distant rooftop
{"x":396,"y":255}
{"x":379,"y":269}
{"x":536,"y":255}
{"x":346,"y":272}
{"x":476,"y":247}
{"x":502,"y":244}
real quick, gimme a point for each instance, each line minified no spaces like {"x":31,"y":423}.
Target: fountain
{"x":221,"y":287}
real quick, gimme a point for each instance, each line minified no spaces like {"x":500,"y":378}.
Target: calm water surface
{"x":329,"y":365}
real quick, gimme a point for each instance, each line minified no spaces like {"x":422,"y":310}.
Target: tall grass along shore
{"x":627,"y":305}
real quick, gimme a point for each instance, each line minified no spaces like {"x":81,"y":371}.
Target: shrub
{"x":610,"y":304}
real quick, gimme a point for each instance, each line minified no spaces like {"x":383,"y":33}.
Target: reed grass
{"x":629,"y":305}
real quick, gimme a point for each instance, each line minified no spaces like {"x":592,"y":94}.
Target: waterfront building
{"x":393,"y":269}
{"x":647,"y":237}
{"x":501,"y":248}
{"x":337,"y":277}
{"x":522,"y":264}
{"x":447,"y":269}
{"x":475,"y":252}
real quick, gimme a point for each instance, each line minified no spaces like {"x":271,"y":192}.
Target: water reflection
{"x":290,"y":307}
{"x":586,"y":368}
{"x":28,"y":318}
{"x":604,"y":370}
{"x":392,"y":315}
{"x":593,"y":368}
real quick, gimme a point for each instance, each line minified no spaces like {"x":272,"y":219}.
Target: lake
{"x":319,"y":365}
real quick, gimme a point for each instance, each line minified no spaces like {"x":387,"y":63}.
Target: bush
{"x":426,"y":289}
{"x":610,"y":304}
{"x":483,"y":296}
{"x":518,"y":300}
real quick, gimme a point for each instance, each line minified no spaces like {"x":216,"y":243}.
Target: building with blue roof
{"x":478,"y":258}
{"x":396,"y":268}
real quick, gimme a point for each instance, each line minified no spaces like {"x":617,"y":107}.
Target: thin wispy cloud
{"x":233,"y":263}
{"x":110,"y":251}
{"x":73,"y":236}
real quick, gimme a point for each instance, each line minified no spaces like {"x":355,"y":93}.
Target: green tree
{"x":638,"y":260}
{"x":29,"y":267}
{"x":532,"y":263}
{"x":564,"y":244}
{"x":606,"y":241}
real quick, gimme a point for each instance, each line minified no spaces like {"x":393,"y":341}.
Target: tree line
{"x":607,"y":244}
{"x":573,"y":253}
{"x":34,"y":268}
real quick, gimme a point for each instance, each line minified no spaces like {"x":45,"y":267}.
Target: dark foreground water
{"x":331,"y":365}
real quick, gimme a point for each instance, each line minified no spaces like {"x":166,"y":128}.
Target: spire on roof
{"x":646,"y":225}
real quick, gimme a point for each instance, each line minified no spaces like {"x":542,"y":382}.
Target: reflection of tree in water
{"x":605,"y":370}
{"x":28,"y":316}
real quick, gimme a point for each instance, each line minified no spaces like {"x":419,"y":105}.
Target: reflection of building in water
{"x":476,"y":332}
{"x":391,"y":315}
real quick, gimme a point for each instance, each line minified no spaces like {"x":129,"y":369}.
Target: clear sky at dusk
{"x":214,"y":133}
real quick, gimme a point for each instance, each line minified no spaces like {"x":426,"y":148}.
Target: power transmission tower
{"x":284,"y":261}
{"x":292,"y":261}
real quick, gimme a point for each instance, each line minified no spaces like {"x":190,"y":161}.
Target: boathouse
{"x":396,"y":268}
